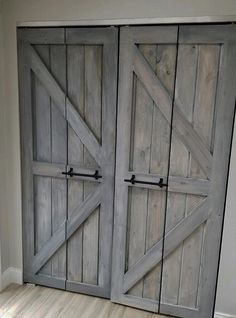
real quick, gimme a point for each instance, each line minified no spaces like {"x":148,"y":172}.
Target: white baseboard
{"x":11,"y":275}
{"x":221,"y":315}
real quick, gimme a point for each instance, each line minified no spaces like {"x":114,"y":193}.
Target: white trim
{"x":128,"y":21}
{"x":11,"y":275}
{"x":221,"y":315}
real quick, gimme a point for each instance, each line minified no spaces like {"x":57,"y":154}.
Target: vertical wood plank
{"x":42,"y":142}
{"x":150,"y":281}
{"x":93,"y":104}
{"x":75,"y":65}
{"x":59,"y":155}
{"x":164,"y":66}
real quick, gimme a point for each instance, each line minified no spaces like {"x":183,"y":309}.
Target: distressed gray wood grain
{"x":75,"y":73}
{"x":164,"y":67}
{"x":49,"y":248}
{"x":59,"y":97}
{"x":109,"y":93}
{"x":93,"y":36}
{"x":48,"y":169}
{"x":145,"y":127}
{"x":180,"y":311}
{"x":26,"y":135}
{"x":83,"y":211}
{"x":154,"y":35}
{"x":93,"y":95}
{"x":172,"y":239}
{"x":49,"y":281}
{"x":139,"y":161}
{"x":93,"y":108}
{"x":162,"y":98}
{"x":86,"y":139}
{"x":42,"y":152}
{"x":179,"y":160}
{"x":211,"y":34}
{"x":59,"y":155}
{"x":87,"y":289}
{"x":176,"y":184}
{"x":210,"y":120}
{"x":42,"y":35}
{"x":225,"y":108}
{"x":122,"y":164}
{"x":203,"y":117}
{"x":142,"y":303}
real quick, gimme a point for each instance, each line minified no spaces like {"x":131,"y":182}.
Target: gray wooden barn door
{"x":147,"y":57}
{"x":203,"y":115}
{"x":67,"y":81}
{"x":166,"y":253}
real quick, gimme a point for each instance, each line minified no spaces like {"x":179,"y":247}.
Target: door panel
{"x":204,"y":99}
{"x":68,"y":113}
{"x":142,"y":153}
{"x":166,"y":244}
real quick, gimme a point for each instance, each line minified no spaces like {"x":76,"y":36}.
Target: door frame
{"x":211,"y":20}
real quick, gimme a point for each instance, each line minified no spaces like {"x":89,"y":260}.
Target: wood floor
{"x":36,"y":302}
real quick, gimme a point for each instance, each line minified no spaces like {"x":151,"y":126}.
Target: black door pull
{"x":71,"y":174}
{"x":132,"y":180}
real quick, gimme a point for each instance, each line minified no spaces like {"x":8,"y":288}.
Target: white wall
{"x":43,"y":10}
{"x":3,"y":214}
{"x":226,"y":297}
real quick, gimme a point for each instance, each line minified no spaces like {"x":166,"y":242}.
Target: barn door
{"x":147,"y":57}
{"x":166,"y":252}
{"x":203,"y":116}
{"x":67,"y":83}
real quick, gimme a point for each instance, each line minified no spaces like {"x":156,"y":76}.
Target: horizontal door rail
{"x":55,"y":170}
{"x":187,"y":185}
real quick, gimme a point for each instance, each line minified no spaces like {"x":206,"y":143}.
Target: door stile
{"x":121,"y":195}
{"x":26,"y":157}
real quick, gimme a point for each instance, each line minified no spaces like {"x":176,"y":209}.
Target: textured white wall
{"x":3,"y":176}
{"x":58,"y":10}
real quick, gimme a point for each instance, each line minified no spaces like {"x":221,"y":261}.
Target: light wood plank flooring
{"x":36,"y":302}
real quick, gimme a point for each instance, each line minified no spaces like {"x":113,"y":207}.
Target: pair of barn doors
{"x":163,"y":169}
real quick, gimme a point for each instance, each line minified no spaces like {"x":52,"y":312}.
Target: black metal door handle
{"x":71,"y":174}
{"x":160,"y":184}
